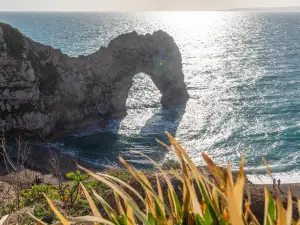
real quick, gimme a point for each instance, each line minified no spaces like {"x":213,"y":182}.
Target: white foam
{"x":285,"y":178}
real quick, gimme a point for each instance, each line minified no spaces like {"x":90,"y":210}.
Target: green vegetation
{"x":221,"y":201}
{"x":67,"y":195}
{"x":202,"y":201}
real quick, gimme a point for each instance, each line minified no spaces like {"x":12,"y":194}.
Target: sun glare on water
{"x":190,"y":19}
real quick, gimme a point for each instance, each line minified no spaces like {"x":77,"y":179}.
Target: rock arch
{"x":156,"y":55}
{"x":43,"y":90}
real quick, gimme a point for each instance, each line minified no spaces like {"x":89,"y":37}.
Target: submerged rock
{"x":43,"y":90}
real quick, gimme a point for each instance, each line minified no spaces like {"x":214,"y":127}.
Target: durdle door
{"x":43,"y":90}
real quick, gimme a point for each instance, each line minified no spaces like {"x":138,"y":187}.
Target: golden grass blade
{"x":211,"y":184}
{"x":215,"y":198}
{"x":151,"y":205}
{"x":172,"y":204}
{"x":82,"y":219}
{"x":139,"y":177}
{"x":151,"y":196}
{"x":268,"y":170}
{"x":248,"y":204}
{"x":298,"y":203}
{"x":129,"y":215}
{"x":186,"y":204}
{"x":35,"y":218}
{"x":150,"y":193}
{"x":4,"y":219}
{"x":233,"y":208}
{"x":190,"y":189}
{"x":160,"y":194}
{"x":148,"y":190}
{"x":109,"y":210}
{"x":195,"y":202}
{"x":169,"y":183}
{"x":192,"y":166}
{"x":122,"y":194}
{"x":247,"y":209}
{"x":289,"y":211}
{"x":119,"y":204}
{"x":254,"y":220}
{"x":239,"y":186}
{"x":122,"y":183}
{"x":270,"y":220}
{"x":176,"y":174}
{"x":57,"y":213}
{"x":216,"y":172}
{"x":170,"y":221}
{"x":146,"y":180}
{"x":165,"y":145}
{"x":158,"y":167}
{"x":93,"y":207}
{"x":281,"y":213}
{"x":229,"y":175}
{"x":266,"y":205}
{"x":195,"y":171}
{"x":205,"y":192}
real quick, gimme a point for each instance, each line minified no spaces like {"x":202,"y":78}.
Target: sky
{"x":137,"y":5}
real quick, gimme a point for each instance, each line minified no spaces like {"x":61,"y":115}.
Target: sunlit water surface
{"x":242,"y":71}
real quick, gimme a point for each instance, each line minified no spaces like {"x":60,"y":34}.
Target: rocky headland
{"x":43,"y":91}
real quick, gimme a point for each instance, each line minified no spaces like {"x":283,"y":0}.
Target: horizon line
{"x":204,"y":10}
{"x":260,"y":9}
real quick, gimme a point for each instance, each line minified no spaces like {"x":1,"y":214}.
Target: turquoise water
{"x":242,"y":71}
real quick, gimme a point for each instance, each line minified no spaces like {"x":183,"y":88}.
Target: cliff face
{"x":42,"y":89}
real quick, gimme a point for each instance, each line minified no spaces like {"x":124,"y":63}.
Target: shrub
{"x":220,"y":200}
{"x":34,"y":194}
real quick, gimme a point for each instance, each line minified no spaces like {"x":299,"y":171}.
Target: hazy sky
{"x":137,"y":5}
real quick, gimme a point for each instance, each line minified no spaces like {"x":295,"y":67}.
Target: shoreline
{"x":265,"y":179}
{"x":39,"y":158}
{"x":40,"y":155}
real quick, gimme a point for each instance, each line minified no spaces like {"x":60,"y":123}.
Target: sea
{"x":242,"y":71}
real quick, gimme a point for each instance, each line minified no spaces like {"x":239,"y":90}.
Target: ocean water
{"x":242,"y":70}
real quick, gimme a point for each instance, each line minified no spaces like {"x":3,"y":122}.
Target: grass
{"x":203,"y":201}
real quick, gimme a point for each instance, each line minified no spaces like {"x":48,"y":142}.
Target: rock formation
{"x":43,"y":90}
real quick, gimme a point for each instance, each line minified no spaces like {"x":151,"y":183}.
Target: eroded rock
{"x":41,"y":89}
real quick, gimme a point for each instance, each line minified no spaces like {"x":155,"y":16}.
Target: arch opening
{"x":143,"y":93}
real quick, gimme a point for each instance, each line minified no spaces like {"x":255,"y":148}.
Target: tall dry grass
{"x":221,"y":200}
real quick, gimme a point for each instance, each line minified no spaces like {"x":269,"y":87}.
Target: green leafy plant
{"x":72,"y":193}
{"x":34,"y":194}
{"x":77,"y":177}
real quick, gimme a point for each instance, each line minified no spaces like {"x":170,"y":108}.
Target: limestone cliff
{"x":42,"y":89}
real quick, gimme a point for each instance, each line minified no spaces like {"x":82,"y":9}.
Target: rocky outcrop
{"x":43,"y":90}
